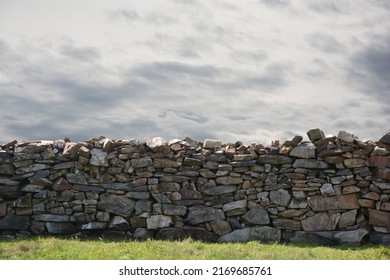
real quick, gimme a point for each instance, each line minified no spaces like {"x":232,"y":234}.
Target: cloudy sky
{"x":253,"y":70}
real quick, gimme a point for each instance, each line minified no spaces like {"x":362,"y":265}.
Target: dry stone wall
{"x":329,"y":190}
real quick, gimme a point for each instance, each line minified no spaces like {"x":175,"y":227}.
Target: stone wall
{"x":331,"y":190}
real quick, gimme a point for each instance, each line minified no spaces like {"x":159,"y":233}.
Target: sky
{"x":250,"y":71}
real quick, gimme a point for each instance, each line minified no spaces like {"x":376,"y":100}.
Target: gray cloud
{"x":82,"y":54}
{"x":123,"y":14}
{"x":276,"y":3}
{"x":329,"y":7}
{"x":325,"y":43}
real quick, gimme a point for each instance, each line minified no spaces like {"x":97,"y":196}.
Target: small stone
{"x":239,"y":204}
{"x":200,"y":214}
{"x":347,"y":219}
{"x":287,"y":224}
{"x":220,"y":190}
{"x":327,"y":190}
{"x":212,"y":144}
{"x":220,"y":227}
{"x":304,"y":150}
{"x":321,"y":221}
{"x":98,"y":157}
{"x":256,"y":216}
{"x":345,"y":136}
{"x":229,"y":180}
{"x":76,"y":179}
{"x":354,"y":162}
{"x":119,"y":223}
{"x":315,"y":134}
{"x":158,"y":221}
{"x":280,"y":197}
{"x":158,"y":145}
{"x":310,"y":164}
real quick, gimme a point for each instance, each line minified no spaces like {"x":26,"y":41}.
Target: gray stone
{"x":263,"y":234}
{"x":310,"y":164}
{"x":12,"y":222}
{"x":201,"y":234}
{"x":33,"y":188}
{"x":118,"y":186}
{"x":212,"y":144}
{"x":61,"y":184}
{"x":8,"y":182}
{"x":280,"y":197}
{"x":10,"y":192}
{"x":274,"y":159}
{"x":166,"y":163}
{"x":141,"y":162}
{"x":345,"y":136}
{"x":347,"y":219}
{"x":94,"y":225}
{"x":143,"y":207}
{"x":6,"y":169}
{"x":380,"y":238}
{"x":244,"y":163}
{"x":201,"y":214}
{"x":220,"y":227}
{"x":51,"y":218}
{"x":228,"y":180}
{"x":220,"y":190}
{"x":174,"y":210}
{"x":339,"y":202}
{"x":256,"y":216}
{"x":327,"y":190}
{"x":287,"y":224}
{"x":161,"y":198}
{"x":353,"y":237}
{"x":304,"y":150}
{"x":119,"y":223}
{"x":315,"y":134}
{"x":238,"y":204}
{"x":60,"y":228}
{"x":158,"y":145}
{"x":321,"y":221}
{"x":87,"y":188}
{"x":138,"y":195}
{"x":32,"y":168}
{"x":76,"y":179}
{"x":142,"y":234}
{"x":158,"y":221}
{"x":116,"y":204}
{"x":98,"y":157}
{"x":309,"y":237}
{"x":172,"y":234}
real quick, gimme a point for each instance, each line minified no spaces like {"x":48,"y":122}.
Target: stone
{"x":263,"y":234}
{"x":61,"y":184}
{"x":379,"y":218}
{"x":141,"y":162}
{"x":24,"y":201}
{"x":244,"y":163}
{"x":94,"y":226}
{"x":220,"y":227}
{"x":220,"y":190}
{"x":310,"y":164}
{"x":116,"y":204}
{"x":321,"y":221}
{"x":12,"y":222}
{"x":98,"y":157}
{"x":33,"y":188}
{"x":238,"y":204}
{"x":10,"y":192}
{"x":293,"y":141}
{"x":345,"y":136}
{"x":243,"y":157}
{"x":201,"y":234}
{"x":212,"y":144}
{"x":76,"y":179}
{"x":382,"y":185}
{"x":385,"y":206}
{"x":201,"y":214}
{"x":32,"y":168}
{"x":158,"y":145}
{"x":142,"y":234}
{"x":127,"y":187}
{"x":380,"y":238}
{"x":315,"y":134}
{"x":309,"y":237}
{"x":161,"y":198}
{"x":60,"y":228}
{"x":166,"y":163}
{"x":256,"y":216}
{"x":304,"y":150}
{"x":352,"y":238}
{"x":287,"y":224}
{"x":339,"y":202}
{"x":158,"y":221}
{"x":274,"y":159}
{"x":119,"y":223}
{"x":3,"y":209}
{"x":347,"y":219}
{"x":327,"y":190}
{"x":366,"y":203}
{"x":138,"y":195}
{"x":87,"y":188}
{"x":6,"y":169}
{"x":354,"y":162}
{"x":229,"y":180}
{"x":191,"y":162}
{"x":51,"y":218}
{"x":385,"y":139}
{"x":172,"y":234}
{"x":174,"y":210}
{"x":280,"y":197}
{"x":292,"y":213}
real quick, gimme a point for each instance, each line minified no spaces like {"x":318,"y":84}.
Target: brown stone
{"x":220,"y":227}
{"x":385,"y":206}
{"x":321,"y":221}
{"x":3,"y":209}
{"x":379,"y":218}
{"x":229,"y":180}
{"x":287,"y":224}
{"x":379,"y":161}
{"x":366,"y":203}
{"x":346,"y":202}
{"x":354,"y":162}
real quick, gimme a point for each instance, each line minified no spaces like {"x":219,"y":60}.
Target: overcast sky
{"x":230,"y":70}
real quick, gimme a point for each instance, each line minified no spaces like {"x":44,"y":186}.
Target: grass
{"x":74,"y":249}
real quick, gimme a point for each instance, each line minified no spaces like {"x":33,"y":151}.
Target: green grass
{"x":74,"y":249}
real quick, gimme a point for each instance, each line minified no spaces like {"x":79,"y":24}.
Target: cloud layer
{"x":257,"y":71}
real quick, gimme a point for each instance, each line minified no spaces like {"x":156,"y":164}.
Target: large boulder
{"x":263,"y":234}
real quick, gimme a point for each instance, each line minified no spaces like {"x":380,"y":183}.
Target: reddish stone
{"x":379,"y":161}
{"x":367,"y":203}
{"x":379,"y":218}
{"x":3,"y":209}
{"x":346,"y":202}
{"x":355,"y":162}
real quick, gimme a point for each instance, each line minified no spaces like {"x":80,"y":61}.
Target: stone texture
{"x":304,"y":150}
{"x":354,"y":162}
{"x":172,"y":234}
{"x":200,"y":214}
{"x":256,"y":216}
{"x":212,"y":144}
{"x":220,"y":190}
{"x":287,"y":224}
{"x":158,"y":221}
{"x":141,"y":162}
{"x":158,"y":145}
{"x":321,"y":221}
{"x":263,"y":234}
{"x":327,"y":190}
{"x":119,"y":223}
{"x":346,"y":202}
{"x":274,"y":159}
{"x":174,"y":210}
{"x":229,"y":180}
{"x":12,"y":222}
{"x":116,"y":204}
{"x":347,"y":219}
{"x":220,"y":227}
{"x":315,"y":134}
{"x":310,"y":164}
{"x":280,"y":197}
{"x":379,"y":218}
{"x":346,"y":136}
{"x":353,"y":237}
{"x":238,"y":204}
{"x":60,"y":228}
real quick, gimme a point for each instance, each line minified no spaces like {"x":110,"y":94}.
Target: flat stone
{"x":220,"y":227}
{"x":71,"y":150}
{"x":3,"y":209}
{"x":310,"y":164}
{"x":379,"y":161}
{"x":212,"y":144}
{"x":88,"y":188}
{"x":158,"y":221}
{"x":315,"y":134}
{"x":309,"y":237}
{"x":347,"y":219}
{"x":287,"y":224}
{"x":116,"y":204}
{"x":166,"y":163}
{"x":304,"y":150}
{"x":174,"y":210}
{"x":119,"y":186}
{"x":161,"y":198}
{"x":220,"y":190}
{"x":243,"y":157}
{"x":172,"y":234}
{"x":12,"y":222}
{"x":201,"y":234}
{"x":280,"y":197}
{"x":339,"y":202}
{"x":143,"y":207}
{"x":201,"y":214}
{"x":382,"y":185}
{"x":64,"y":165}
{"x":61,"y":184}
{"x":274,"y":159}
{"x":355,"y":162}
{"x":263,"y":234}
{"x":138,"y":195}
{"x":94,"y":225}
{"x":293,"y":141}
{"x":243,"y":163}
{"x":119,"y":223}
{"x":238,"y":204}
{"x":32,"y":168}
{"x":191,"y":162}
{"x":385,"y":139}
{"x":228,"y":180}
{"x":292,"y":213}
{"x":353,"y":237}
{"x":141,"y":162}
{"x":98,"y":157}
{"x":327,"y":190}
{"x":51,"y":218}
{"x":321,"y":221}
{"x":158,"y":145}
{"x":380,"y":238}
{"x":379,"y":218}
{"x":60,"y":228}
{"x":33,"y":188}
{"x":24,"y":201}
{"x":76,"y":179}
{"x":256,"y":216}
{"x":6,"y":169}
{"x":8,"y":182}
{"x":346,"y":136}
